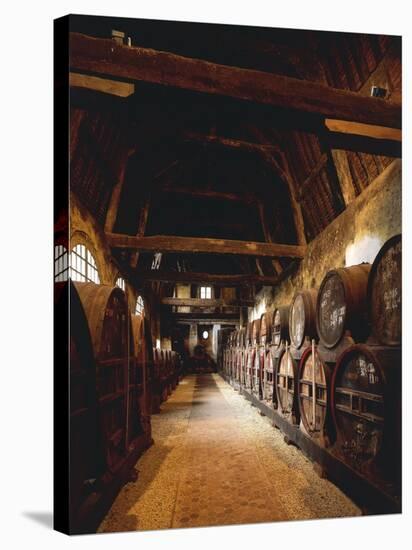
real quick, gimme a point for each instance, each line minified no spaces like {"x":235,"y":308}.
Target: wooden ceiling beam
{"x":363,"y":144}
{"x":105,"y":57}
{"x":206,"y":317}
{"x":201,"y":302}
{"x":194,"y":245}
{"x":210,"y":322}
{"x":225,"y":280}
{"x":232,"y":143}
{"x":209,"y":194}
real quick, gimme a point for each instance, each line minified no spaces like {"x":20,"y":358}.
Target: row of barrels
{"x":116,"y":379}
{"x":331,"y":362}
{"x":167,"y":369}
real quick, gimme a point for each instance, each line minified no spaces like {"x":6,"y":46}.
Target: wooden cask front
{"x":314,"y":396}
{"x":366,"y":407}
{"x":86,"y":459}
{"x":280,"y":325}
{"x":342,"y":305}
{"x":385,"y":293}
{"x":109,"y":323}
{"x":255,"y":331}
{"x":265,"y":335}
{"x":286,"y":386}
{"x":302,"y":316}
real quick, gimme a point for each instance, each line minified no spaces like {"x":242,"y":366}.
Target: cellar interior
{"x":231,"y":261}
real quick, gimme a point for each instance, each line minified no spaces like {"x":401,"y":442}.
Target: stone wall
{"x":353,"y":237}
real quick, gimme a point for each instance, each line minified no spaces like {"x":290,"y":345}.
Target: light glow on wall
{"x":364,"y":249}
{"x":157,"y":343}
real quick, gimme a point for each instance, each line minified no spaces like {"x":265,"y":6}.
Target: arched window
{"x":61,"y":263}
{"x":83,"y":267}
{"x":120,"y":282}
{"x":139,"y":306}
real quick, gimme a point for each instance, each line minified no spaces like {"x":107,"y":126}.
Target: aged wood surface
{"x":232,"y":143}
{"x":116,"y":193}
{"x":248,"y":198}
{"x":171,"y":243}
{"x":321,"y":164}
{"x":104,"y":57}
{"x":218,"y":280}
{"x":209,"y":318}
{"x":201,"y":302}
{"x":105,"y":85}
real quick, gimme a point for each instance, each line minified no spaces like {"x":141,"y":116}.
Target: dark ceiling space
{"x":206,"y":165}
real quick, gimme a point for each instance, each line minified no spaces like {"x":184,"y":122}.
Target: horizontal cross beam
{"x":194,"y":245}
{"x":225,"y":280}
{"x":203,"y":302}
{"x":105,"y":57}
{"x":207,"y":317}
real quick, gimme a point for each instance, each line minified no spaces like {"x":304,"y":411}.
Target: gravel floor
{"x":216,"y":461}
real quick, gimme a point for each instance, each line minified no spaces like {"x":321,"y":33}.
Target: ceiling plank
{"x":193,"y":245}
{"x":105,"y":57}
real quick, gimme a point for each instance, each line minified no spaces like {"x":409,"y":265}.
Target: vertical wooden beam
{"x":341,"y":162}
{"x":277,"y":266}
{"x":116,"y":194}
{"x":284,"y":172}
{"x":143,"y":215}
{"x":296,"y":207}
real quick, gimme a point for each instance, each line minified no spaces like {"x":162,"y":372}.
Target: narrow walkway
{"x":216,"y":461}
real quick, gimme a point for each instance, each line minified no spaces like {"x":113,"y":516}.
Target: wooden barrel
{"x":366,"y":407}
{"x":385,"y":293}
{"x":268,"y":377}
{"x":341,"y":305}
{"x":302,"y":315}
{"x":250,"y":361}
{"x":255,"y":331}
{"x":109,"y":324}
{"x":286,"y":386}
{"x":248,"y":337}
{"x":258,"y":366}
{"x":141,"y":375}
{"x":241,"y":335}
{"x":280,"y":325}
{"x":86,"y":458}
{"x":315,"y":380}
{"x":266,"y":328}
{"x":242,"y":367}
